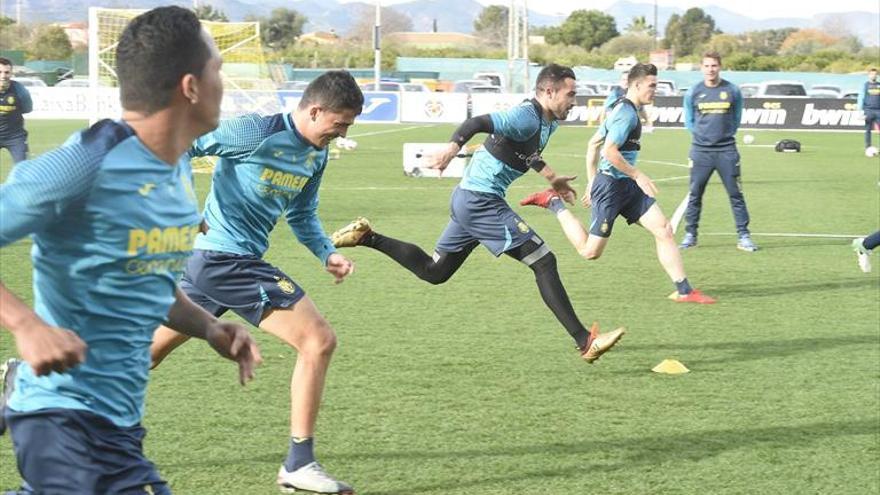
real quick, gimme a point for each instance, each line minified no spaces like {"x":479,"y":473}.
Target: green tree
{"x":50,"y":43}
{"x":687,"y":32}
{"x":281,"y":28}
{"x":764,"y":42}
{"x":639,"y":25}
{"x":724,"y":44}
{"x":491,"y":24}
{"x":638,"y":45}
{"x":585,"y":28}
{"x":207,"y":12}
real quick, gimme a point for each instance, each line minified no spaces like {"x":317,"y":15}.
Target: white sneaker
{"x":311,"y":478}
{"x":863,"y":254}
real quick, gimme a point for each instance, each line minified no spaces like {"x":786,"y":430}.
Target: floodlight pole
{"x":377,"y":46}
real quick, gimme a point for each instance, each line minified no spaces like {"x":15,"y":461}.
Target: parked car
{"x":823,"y":93}
{"x":749,"y":90}
{"x":293,"y":85}
{"x":73,"y":83}
{"x":826,"y":88}
{"x":394,"y":86}
{"x":467,"y":86}
{"x":30,"y":82}
{"x":598,"y":88}
{"x":850,"y":94}
{"x":416,"y":87}
{"x":488,"y":88}
{"x":665,"y":87}
{"x":783,"y":89}
{"x":492,"y":78}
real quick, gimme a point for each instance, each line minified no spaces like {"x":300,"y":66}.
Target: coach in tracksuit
{"x":713,"y":109}
{"x":869,"y":102}
{"x":14,"y":101}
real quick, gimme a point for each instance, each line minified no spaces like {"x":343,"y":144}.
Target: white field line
{"x":790,"y":234}
{"x":390,"y":131}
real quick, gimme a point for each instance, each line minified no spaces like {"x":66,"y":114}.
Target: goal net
{"x":247,"y":84}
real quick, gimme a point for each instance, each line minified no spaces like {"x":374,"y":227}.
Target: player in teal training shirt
{"x":617,"y":188}
{"x":268,"y":168}
{"x":112,"y":216}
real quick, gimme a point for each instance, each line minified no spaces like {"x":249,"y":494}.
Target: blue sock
{"x":872,"y":241}
{"x":556,"y":205}
{"x":301,"y":453}
{"x":684,"y":288}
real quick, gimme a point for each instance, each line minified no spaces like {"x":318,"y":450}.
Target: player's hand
{"x":233,"y":341}
{"x":46,"y":348}
{"x":587,"y":198}
{"x":646,"y":184}
{"x":340,"y":267}
{"x":439,"y":160}
{"x":561,"y":185}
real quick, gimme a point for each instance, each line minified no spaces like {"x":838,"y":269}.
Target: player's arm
{"x":613,"y":155}
{"x":618,"y":130}
{"x":559,"y":183}
{"x":231,"y":340}
{"x":233,"y":138}
{"x":689,"y":109}
{"x":302,"y":216}
{"x":860,"y":101}
{"x":35,"y":195}
{"x":594,"y":145}
{"x":24,"y":97}
{"x":737,"y":108}
{"x":468,"y":129}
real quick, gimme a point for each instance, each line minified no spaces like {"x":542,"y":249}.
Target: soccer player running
{"x":712,"y":112}
{"x":480,"y":215}
{"x":617,"y":187}
{"x":15,"y":100}
{"x":113,"y":215}
{"x":868,"y":102}
{"x":271,"y":167}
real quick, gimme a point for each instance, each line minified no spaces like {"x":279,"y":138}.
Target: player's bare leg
{"x":303,"y":328}
{"x":670,"y":257}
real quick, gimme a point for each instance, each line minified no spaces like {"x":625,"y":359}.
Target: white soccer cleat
{"x":863,"y":254}
{"x":311,"y":478}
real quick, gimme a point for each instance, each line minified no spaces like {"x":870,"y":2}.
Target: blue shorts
{"x":81,"y":453}
{"x":612,"y":197}
{"x":483,"y":217}
{"x":246,"y":284}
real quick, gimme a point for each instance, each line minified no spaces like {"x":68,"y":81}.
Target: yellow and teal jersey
{"x":488,"y":174}
{"x":266,"y":169}
{"x":112,"y":226}
{"x":623,"y":128}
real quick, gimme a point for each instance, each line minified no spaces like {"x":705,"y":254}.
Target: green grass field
{"x":472,"y":387}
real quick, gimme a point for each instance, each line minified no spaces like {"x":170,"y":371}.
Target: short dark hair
{"x":872,"y":69}
{"x":553,"y":74}
{"x":335,"y":90}
{"x":5,"y":61}
{"x":713,"y":55}
{"x":156,"y":49}
{"x":640,"y":71}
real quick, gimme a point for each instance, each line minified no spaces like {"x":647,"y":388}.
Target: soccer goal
{"x":247,"y":84}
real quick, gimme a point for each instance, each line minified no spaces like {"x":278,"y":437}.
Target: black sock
{"x":414,"y":259}
{"x":301,"y":452}
{"x":684,"y":288}
{"x":553,"y":292}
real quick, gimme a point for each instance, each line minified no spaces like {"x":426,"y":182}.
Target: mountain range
{"x":450,"y":15}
